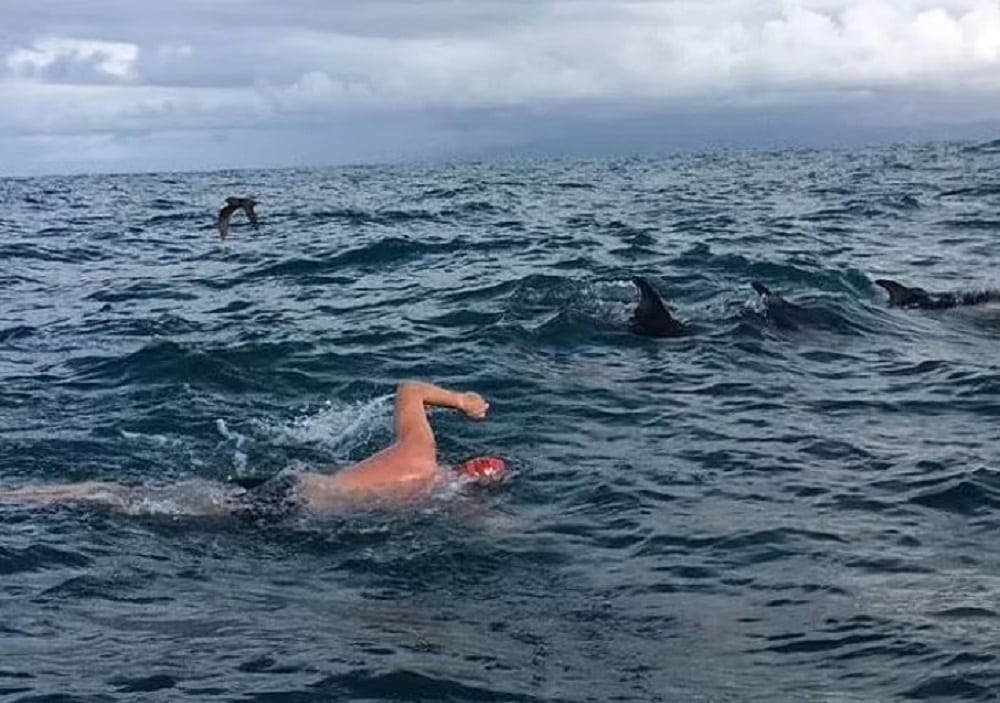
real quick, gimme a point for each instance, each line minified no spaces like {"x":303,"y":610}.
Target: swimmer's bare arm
{"x":412,"y":400}
{"x":411,"y":459}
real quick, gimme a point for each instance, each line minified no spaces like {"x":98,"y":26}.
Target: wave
{"x":977,"y":191}
{"x":38,"y":557}
{"x":975,"y":493}
{"x":450,"y":193}
{"x":236,"y":368}
{"x":142,"y":290}
{"x":398,"y":217}
{"x":980,"y":686}
{"x":383,"y":253}
{"x":386,"y":218}
{"x":388,"y":685}
{"x":975,"y":223}
{"x":991,"y":146}
{"x":61,"y":254}
{"x":10,"y":334}
{"x":471,"y":207}
{"x":804,"y":273}
{"x":166,"y":203}
{"x":179,"y":218}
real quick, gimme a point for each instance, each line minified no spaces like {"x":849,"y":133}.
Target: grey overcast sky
{"x":138,"y":85}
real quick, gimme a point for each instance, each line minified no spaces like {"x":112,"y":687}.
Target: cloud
{"x":74,"y":60}
{"x":117,"y":66}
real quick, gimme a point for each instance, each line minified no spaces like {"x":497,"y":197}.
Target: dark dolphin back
{"x":905,"y":296}
{"x":651,"y":316}
{"x":770,"y":298}
{"x":910,"y":297}
{"x":898,"y":293}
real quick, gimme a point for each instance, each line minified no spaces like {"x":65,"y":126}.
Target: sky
{"x":138,"y":85}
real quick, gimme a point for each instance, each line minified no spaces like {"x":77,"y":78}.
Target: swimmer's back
{"x":269,"y":499}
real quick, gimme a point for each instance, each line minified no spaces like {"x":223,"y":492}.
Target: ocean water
{"x":795,"y":503}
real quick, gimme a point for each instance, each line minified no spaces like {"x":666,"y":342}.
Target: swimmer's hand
{"x":473,"y":405}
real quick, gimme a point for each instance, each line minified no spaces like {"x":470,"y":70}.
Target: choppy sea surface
{"x":795,"y":503}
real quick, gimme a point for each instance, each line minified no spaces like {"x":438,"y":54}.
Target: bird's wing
{"x":251,"y":215}
{"x":224,"y":215}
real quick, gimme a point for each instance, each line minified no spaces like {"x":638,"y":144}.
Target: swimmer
{"x":403,"y":471}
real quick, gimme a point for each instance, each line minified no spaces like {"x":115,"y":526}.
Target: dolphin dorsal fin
{"x":649,"y":301}
{"x":651,"y":316}
{"x":900,"y":294}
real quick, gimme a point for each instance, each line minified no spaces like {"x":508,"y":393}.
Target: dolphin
{"x":802,"y":314}
{"x":912,"y":297}
{"x":231,"y":206}
{"x":776,"y":308}
{"x":771,"y":299}
{"x":763,"y":291}
{"x":651,"y":317}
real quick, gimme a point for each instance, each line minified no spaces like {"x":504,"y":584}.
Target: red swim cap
{"x":484,"y":468}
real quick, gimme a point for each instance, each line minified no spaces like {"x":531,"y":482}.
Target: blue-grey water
{"x":794,"y":503}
